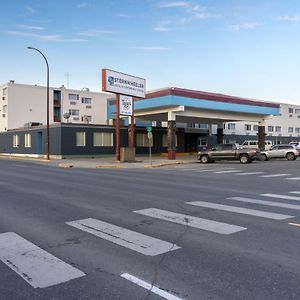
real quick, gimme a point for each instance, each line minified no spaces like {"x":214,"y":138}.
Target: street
{"x":193,"y":231}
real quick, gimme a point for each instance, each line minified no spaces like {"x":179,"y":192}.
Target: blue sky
{"x":248,"y":48}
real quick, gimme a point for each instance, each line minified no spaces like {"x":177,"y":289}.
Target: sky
{"x":247,"y":48}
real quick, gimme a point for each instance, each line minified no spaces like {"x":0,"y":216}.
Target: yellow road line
{"x":294,"y":224}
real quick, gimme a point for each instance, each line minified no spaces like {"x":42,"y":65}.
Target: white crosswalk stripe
{"x":38,"y":267}
{"x":138,"y":242}
{"x":249,"y":173}
{"x":214,"y":170}
{"x":274,"y":175}
{"x":227,"y":171}
{"x":294,"y":178}
{"x":204,"y":224}
{"x":263,"y":202}
{"x":295,"y":192}
{"x":241,"y":210}
{"x":281,"y":196}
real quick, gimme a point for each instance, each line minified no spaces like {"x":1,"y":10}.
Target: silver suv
{"x":280,"y":151}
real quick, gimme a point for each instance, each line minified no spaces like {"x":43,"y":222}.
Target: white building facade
{"x":22,"y":104}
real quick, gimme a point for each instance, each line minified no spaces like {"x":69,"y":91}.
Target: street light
{"x":48,"y":131}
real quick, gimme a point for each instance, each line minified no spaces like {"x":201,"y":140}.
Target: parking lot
{"x":193,"y":231}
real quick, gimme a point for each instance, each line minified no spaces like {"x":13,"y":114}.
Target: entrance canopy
{"x":187,"y":106}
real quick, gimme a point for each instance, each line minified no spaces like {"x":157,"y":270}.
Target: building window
{"x":278,"y":128}
{"x":142,"y":140}
{"x":4,"y":109}
{"x":27,"y":140}
{"x":291,"y":129}
{"x":80,"y":139}
{"x":270,"y":128}
{"x":231,"y":126}
{"x":247,"y":127}
{"x":255,"y":127}
{"x":203,"y":126}
{"x":297,"y":130}
{"x":297,"y":111}
{"x":165,"y":140}
{"x":4,"y":92}
{"x":86,"y":100}
{"x":291,"y":110}
{"x":73,"y":97}
{"x":103,"y":139}
{"x":15,"y":141}
{"x":74,"y":112}
{"x":86,"y":119}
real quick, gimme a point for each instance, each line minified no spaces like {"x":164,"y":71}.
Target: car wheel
{"x":290,"y":156}
{"x":263,"y":157}
{"x":204,"y":159}
{"x":244,"y":159}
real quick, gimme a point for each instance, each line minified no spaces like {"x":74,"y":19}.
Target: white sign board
{"x":125,"y":105}
{"x":120,"y":83}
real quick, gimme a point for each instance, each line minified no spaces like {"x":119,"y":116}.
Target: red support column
{"x":118,"y":128}
{"x":131,"y":138}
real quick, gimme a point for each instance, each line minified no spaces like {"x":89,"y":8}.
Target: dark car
{"x":228,"y":152}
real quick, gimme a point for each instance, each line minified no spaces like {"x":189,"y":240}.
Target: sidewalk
{"x":111,"y":163}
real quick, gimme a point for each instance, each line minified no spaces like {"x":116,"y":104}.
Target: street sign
{"x":125,"y":105}
{"x":149,"y":128}
{"x":150,"y":135}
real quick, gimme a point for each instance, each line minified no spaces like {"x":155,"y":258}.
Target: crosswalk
{"x":40,"y":269}
{"x":230,"y":170}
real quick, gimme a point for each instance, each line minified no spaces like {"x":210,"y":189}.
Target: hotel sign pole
{"x":125,"y":87}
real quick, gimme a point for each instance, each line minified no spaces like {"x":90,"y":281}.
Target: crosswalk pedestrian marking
{"x":295,"y":192}
{"x":241,"y":210}
{"x":204,"y":224}
{"x":36,"y":266}
{"x":275,"y":175}
{"x":214,"y":170}
{"x":267,"y":203}
{"x":138,"y":242}
{"x":249,"y":173}
{"x":294,"y":178}
{"x":227,"y":171}
{"x":286,"y":197}
{"x":150,"y":287}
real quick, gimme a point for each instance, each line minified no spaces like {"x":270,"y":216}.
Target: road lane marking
{"x":36,"y":266}
{"x":294,"y":224}
{"x":215,"y":169}
{"x":275,"y":175}
{"x":294,"y":178}
{"x":228,"y":171}
{"x":249,"y":173}
{"x":241,"y":210}
{"x":294,"y":192}
{"x":268,"y":203}
{"x":149,"y":287}
{"x":204,"y":224}
{"x":281,"y":196}
{"x":135,"y":241}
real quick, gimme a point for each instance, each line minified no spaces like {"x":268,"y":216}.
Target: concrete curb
{"x":110,"y":167}
{"x":163,"y":165}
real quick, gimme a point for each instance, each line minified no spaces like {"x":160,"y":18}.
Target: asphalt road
{"x":59,"y":240}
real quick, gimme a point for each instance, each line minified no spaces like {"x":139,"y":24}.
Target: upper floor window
{"x":4,"y":92}
{"x":270,"y":128}
{"x":86,"y":100}
{"x":291,"y":129}
{"x":73,"y":97}
{"x":291,"y":110}
{"x":4,"y":109}
{"x":278,"y":128}
{"x":231,"y":126}
{"x":86,"y":119}
{"x":297,"y":130}
{"x":74,"y":112}
{"x":247,"y":127}
{"x":255,"y":127}
{"x":297,"y":111}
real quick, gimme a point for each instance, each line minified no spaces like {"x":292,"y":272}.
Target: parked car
{"x":295,"y":144}
{"x":254,"y":144}
{"x":228,"y":152}
{"x":280,"y":151}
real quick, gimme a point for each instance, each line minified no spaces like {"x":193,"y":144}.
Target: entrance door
{"x":39,"y":143}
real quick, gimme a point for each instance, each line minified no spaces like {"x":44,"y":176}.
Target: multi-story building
{"x":21,"y":104}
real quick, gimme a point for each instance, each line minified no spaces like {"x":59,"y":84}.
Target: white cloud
{"x":95,"y":32}
{"x":174,"y":4}
{"x":162,"y":29}
{"x":30,"y":9}
{"x":29,"y":27}
{"x":125,"y":16}
{"x":83,"y":5}
{"x":245,"y":26}
{"x":295,"y":18}
{"x":48,"y":38}
{"x":152,"y":48}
